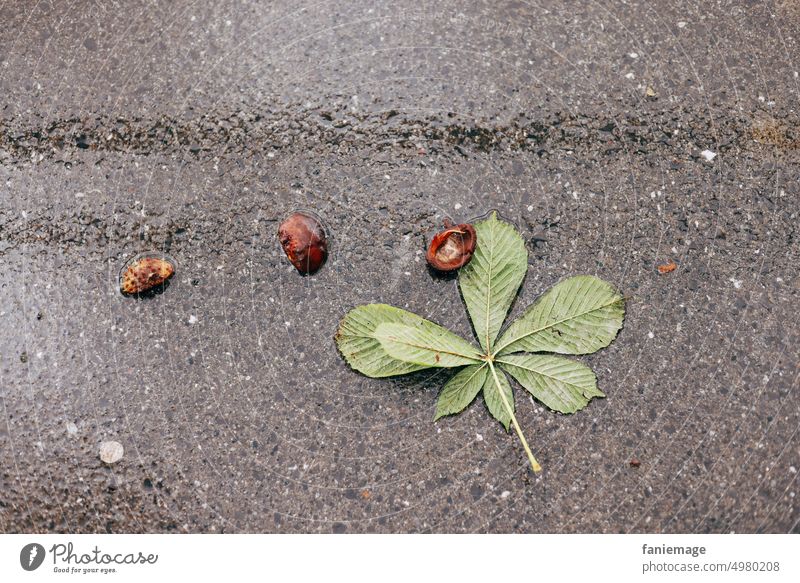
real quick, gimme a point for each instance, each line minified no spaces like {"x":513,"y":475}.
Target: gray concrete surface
{"x":192,"y":127}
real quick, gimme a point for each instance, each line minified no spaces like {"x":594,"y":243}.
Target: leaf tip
{"x":594,"y":392}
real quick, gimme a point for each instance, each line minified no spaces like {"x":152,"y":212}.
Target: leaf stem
{"x":534,"y":464}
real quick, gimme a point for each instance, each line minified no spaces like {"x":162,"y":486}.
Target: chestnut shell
{"x":452,"y":248}
{"x":304,"y":241}
{"x":145,"y":273}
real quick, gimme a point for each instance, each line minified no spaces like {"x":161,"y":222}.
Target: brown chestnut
{"x":304,"y":240}
{"x":145,"y":272}
{"x":453,"y":247}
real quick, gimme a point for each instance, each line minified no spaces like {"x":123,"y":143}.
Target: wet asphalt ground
{"x":192,"y":128}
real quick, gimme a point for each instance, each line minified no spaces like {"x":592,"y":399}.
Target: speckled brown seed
{"x":145,"y":274}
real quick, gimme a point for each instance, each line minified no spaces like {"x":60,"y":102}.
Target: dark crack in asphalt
{"x":651,"y":128}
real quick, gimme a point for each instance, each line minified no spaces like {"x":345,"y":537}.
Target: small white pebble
{"x":793,"y":469}
{"x":737,"y":283}
{"x":630,"y":76}
{"x":478,"y":437}
{"x":457,"y":206}
{"x":530,"y":208}
{"x":193,"y":319}
{"x":651,"y":335}
{"x":633,"y":55}
{"x":505,"y":494}
{"x":708,"y":155}
{"x":681,"y":24}
{"x":111,"y":452}
{"x":72,"y":429}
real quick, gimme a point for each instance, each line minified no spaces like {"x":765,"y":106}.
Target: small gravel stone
{"x":708,"y":155}
{"x":111,"y":452}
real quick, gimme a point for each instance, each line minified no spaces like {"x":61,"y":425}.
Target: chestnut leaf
{"x":426,"y":343}
{"x":495,"y":383}
{"x":490,"y":281}
{"x":461,"y":390}
{"x":360,"y":347}
{"x":562,"y":384}
{"x":579,"y":315}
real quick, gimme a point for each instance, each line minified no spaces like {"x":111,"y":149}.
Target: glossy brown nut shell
{"x":452,"y":248}
{"x":145,"y":274}
{"x":304,"y":241}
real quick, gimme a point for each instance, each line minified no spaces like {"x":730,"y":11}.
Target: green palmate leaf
{"x":461,"y":390}
{"x":362,"y":350}
{"x":494,"y":402}
{"x":579,"y":315}
{"x":426,"y":344}
{"x":491,"y":279}
{"x":561,"y":384}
